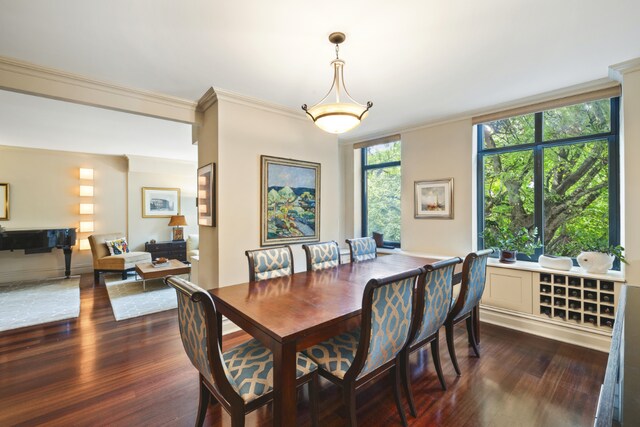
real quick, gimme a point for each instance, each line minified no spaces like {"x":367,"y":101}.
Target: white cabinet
{"x":509,"y":289}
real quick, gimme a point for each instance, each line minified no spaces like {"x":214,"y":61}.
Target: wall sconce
{"x":86,"y":173}
{"x":86,"y":191}
{"x":84,"y":245}
{"x":86,"y":208}
{"x":86,"y":226}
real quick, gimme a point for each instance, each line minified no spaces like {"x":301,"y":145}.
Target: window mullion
{"x":538,"y":180}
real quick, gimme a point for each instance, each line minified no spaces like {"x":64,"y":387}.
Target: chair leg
{"x":313,"y":399}
{"x":237,"y":418}
{"x":472,"y":337}
{"x":349,"y":391}
{"x":395,"y":377}
{"x":406,"y":381}
{"x":451,"y":347}
{"x":124,"y":275}
{"x":96,"y":277}
{"x":205,"y":396}
{"x":435,"y":353}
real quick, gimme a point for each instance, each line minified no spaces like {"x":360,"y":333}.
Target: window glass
{"x":509,"y":132}
{"x":584,"y":119}
{"x":383,"y":153}
{"x":383,"y":202}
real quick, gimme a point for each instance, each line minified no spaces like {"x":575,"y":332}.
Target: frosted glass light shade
{"x":86,"y":208}
{"x":86,"y":173}
{"x":84,"y":245}
{"x":86,"y":226}
{"x":337,"y":117}
{"x":86,"y":190}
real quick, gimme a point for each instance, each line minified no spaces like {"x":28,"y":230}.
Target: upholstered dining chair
{"x":474,"y":272}
{"x":322,"y":255}
{"x":362,"y":249}
{"x":353,"y":358}
{"x":241,"y":379}
{"x":269,"y":263}
{"x":433,"y":301}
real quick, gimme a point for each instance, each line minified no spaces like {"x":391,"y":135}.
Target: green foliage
{"x":511,"y":239}
{"x":383,"y":192}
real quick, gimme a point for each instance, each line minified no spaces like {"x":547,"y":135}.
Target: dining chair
{"x":240,"y":379}
{"x":353,"y":358}
{"x":433,"y":301}
{"x":362,"y":249}
{"x":269,"y":263}
{"x":322,"y":255}
{"x":474,"y":272}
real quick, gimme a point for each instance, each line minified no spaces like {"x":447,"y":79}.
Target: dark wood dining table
{"x":289,"y":314}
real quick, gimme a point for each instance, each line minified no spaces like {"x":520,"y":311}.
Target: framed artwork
{"x":434,"y":199}
{"x":290,"y":201}
{"x":207,"y":195}
{"x":4,"y":202}
{"x":160,"y":202}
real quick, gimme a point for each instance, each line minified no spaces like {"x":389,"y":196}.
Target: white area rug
{"x":129,"y":300}
{"x":36,"y":302}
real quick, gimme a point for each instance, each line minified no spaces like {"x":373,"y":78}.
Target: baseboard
{"x":228,"y":326}
{"x":42,"y":273}
{"x":596,"y":340}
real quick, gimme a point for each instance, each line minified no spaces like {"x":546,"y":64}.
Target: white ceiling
{"x":417,"y":60}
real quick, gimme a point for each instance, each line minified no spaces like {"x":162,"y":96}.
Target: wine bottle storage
{"x":577,"y":300}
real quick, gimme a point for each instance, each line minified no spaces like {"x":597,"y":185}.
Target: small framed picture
{"x":160,"y":202}
{"x":207,"y":195}
{"x":4,"y":202}
{"x":434,"y":199}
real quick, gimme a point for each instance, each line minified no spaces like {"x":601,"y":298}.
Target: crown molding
{"x":32,"y":79}
{"x":225,"y":95}
{"x":617,"y":71}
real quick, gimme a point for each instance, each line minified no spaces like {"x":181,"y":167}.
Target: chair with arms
{"x":240,"y":378}
{"x":362,"y":249}
{"x":322,"y":255}
{"x":433,"y":301}
{"x":353,"y":358}
{"x":464,"y":307}
{"x":104,"y":261}
{"x":269,"y":263}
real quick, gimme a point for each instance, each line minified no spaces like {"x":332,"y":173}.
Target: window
{"x":381,"y":191}
{"x":557,"y":170}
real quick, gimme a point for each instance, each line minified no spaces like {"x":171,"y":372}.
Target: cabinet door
{"x":510,"y":289}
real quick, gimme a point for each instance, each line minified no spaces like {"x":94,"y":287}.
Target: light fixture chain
{"x":337,"y":49}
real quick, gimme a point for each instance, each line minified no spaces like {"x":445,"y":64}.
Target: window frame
{"x":364,"y":168}
{"x":537,"y":147}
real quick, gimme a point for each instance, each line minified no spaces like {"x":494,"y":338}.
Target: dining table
{"x":291,"y":313}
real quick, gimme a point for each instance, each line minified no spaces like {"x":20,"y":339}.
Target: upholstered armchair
{"x":103,"y":261}
{"x":362,"y":249}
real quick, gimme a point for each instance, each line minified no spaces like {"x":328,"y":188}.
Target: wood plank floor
{"x":95,"y":371}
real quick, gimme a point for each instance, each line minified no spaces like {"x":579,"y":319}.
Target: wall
{"x":44,"y":193}
{"x":153,"y":172}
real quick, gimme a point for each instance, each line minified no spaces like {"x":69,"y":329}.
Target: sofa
{"x":103,"y":261}
{"x":193,"y":246}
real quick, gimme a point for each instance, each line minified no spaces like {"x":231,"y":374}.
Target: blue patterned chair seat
{"x":250,"y":368}
{"x":336,"y":354}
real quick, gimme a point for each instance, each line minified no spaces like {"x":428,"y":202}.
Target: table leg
{"x":144,"y":285}
{"x":284,"y":384}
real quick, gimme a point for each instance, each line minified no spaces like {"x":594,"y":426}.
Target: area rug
{"x":36,"y":302}
{"x":129,"y":300}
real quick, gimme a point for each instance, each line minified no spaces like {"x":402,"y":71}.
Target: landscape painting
{"x":290,"y":205}
{"x":434,"y":199}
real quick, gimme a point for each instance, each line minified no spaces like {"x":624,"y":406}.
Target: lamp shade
{"x":177,"y":220}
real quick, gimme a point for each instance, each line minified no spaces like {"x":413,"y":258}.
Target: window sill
{"x":617,"y":276}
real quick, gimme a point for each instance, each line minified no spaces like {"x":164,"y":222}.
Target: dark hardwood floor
{"x":96,"y":371}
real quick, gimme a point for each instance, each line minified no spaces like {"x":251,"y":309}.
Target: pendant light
{"x":337,"y":112}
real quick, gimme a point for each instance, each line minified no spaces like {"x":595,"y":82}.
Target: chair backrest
{"x":322,"y":255}
{"x":387,"y":307}
{"x":474,"y":273}
{"x":270,"y":263}
{"x":199,"y":334}
{"x":433,"y":299}
{"x":362,"y":249}
{"x":99,"y":247}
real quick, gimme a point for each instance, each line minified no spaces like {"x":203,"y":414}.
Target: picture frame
{"x":206,"y":199}
{"x":433,"y":199}
{"x":290,"y":201}
{"x":158,"y":202}
{"x":4,"y":201}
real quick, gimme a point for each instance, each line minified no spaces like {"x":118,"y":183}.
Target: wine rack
{"x":575,"y":299}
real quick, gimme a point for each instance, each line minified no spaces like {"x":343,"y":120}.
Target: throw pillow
{"x":118,"y":246}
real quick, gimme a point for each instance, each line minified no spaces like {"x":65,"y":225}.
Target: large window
{"x":557,"y":170}
{"x":381,"y":191}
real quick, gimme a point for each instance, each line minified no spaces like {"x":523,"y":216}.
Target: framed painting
{"x":160,"y":202}
{"x":207,"y":195}
{"x":434,"y":199}
{"x":4,"y":202}
{"x":290,"y":201}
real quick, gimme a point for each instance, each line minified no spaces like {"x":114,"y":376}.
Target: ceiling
{"x":419,"y":61}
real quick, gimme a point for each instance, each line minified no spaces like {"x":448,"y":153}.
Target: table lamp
{"x":177,"y":221}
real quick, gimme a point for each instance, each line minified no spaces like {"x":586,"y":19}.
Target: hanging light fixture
{"x":345,"y":113}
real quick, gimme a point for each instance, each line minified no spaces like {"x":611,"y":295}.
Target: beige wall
{"x":154,"y":172}
{"x":44,"y":192}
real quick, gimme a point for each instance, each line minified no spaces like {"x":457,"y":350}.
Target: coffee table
{"x":147,"y":270}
